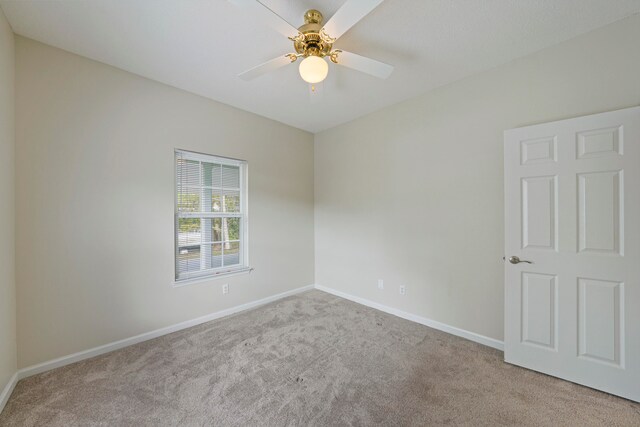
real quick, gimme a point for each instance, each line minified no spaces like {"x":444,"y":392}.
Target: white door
{"x":572,"y":208}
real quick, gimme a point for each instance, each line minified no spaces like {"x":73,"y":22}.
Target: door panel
{"x":599,"y":143}
{"x":539,"y":216}
{"x":599,"y":212}
{"x":536,"y":151}
{"x":572,"y":208}
{"x":539,"y":309}
{"x":600,"y":320}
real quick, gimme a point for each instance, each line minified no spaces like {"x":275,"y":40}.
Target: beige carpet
{"x":310,"y":359}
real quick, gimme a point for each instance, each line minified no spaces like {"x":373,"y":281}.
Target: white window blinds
{"x":211,"y":215}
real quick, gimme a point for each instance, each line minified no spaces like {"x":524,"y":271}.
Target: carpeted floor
{"x":310,"y":359}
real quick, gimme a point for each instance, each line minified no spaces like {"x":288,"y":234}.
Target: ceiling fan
{"x":314,"y":41}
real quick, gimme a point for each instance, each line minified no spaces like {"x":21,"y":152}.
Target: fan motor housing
{"x":313,"y":43}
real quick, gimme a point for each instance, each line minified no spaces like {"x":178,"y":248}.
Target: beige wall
{"x":95,"y":248}
{"x":7,"y":242}
{"x":413,"y":194}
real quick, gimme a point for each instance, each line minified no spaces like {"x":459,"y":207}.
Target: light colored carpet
{"x":310,"y":359}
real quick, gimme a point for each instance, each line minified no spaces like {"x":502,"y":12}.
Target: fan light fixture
{"x":313,"y":69}
{"x":313,"y":42}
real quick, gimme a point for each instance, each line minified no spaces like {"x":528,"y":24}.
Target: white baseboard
{"x":472,"y":336}
{"x":96,"y":351}
{"x":8,"y":389}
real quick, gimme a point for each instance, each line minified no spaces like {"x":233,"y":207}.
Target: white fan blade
{"x":265,"y":68}
{"x":364,"y":64}
{"x":268,"y":16}
{"x":348,"y":15}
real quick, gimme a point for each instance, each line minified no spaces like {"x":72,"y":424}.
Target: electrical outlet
{"x":403,"y":290}
{"x":225,"y":288}
{"x":380,"y":284}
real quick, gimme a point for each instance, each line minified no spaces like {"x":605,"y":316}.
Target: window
{"x":211,"y":215}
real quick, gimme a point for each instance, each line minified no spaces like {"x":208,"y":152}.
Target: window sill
{"x":194,"y":280}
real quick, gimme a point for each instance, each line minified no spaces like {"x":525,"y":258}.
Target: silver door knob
{"x":516,"y":260}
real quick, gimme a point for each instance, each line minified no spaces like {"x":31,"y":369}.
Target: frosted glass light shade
{"x":313,"y":69}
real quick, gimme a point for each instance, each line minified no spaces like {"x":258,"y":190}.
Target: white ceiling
{"x":201,"y":45}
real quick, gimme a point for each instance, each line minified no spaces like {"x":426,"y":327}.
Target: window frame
{"x":212,"y":273}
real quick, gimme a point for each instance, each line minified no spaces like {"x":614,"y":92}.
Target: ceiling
{"x":202,"y":45}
